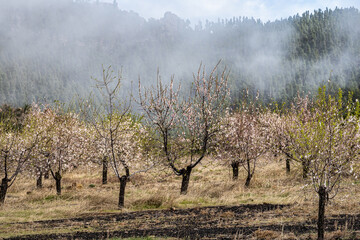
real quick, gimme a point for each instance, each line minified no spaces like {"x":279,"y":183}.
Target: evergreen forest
{"x":50,"y":50}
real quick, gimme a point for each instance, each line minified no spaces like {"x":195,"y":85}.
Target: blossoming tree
{"x":283,"y":123}
{"x":244,"y":139}
{"x":60,"y":148}
{"x":329,"y":142}
{"x":16,"y":146}
{"x":117,"y":135}
{"x":186,"y":127}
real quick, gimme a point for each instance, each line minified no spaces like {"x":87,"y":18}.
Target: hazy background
{"x":50,"y":49}
{"x":202,"y":10}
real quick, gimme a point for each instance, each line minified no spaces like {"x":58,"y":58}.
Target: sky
{"x":200,"y":10}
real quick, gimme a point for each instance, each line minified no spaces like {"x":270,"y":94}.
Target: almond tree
{"x":279,"y":125}
{"x":16,"y":146}
{"x":118,"y":135}
{"x":328,"y":141}
{"x":282,"y":124}
{"x":37,"y":166}
{"x":186,"y":127}
{"x":61,"y":143}
{"x":62,"y":148}
{"x":243,"y":141}
{"x":97,"y":153}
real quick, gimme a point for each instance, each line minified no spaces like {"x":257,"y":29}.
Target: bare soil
{"x":258,"y":221}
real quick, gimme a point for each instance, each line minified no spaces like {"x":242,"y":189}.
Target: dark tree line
{"x":50,"y":49}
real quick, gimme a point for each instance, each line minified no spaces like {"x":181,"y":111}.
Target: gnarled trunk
{"x":305,"y":166}
{"x":235,"y":168}
{"x":249,"y":174}
{"x":58,"y":183}
{"x":39,"y":180}
{"x":104,"y":171}
{"x":287,"y":165}
{"x":248,"y":179}
{"x":321,"y":214}
{"x":123,"y":181}
{"x":3,"y":189}
{"x":185,"y":180}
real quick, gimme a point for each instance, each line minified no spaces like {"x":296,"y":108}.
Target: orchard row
{"x":320,"y":133}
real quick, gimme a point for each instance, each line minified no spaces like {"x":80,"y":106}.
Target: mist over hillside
{"x":50,"y":49}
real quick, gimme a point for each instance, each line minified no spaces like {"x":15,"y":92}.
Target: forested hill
{"x":50,"y":49}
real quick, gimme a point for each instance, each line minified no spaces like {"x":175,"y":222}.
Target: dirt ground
{"x":278,"y":205}
{"x":254,"y":221}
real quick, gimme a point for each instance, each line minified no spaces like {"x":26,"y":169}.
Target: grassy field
{"x":211,"y":184}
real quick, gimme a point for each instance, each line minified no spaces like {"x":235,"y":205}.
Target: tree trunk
{"x":305,"y":165}
{"x":248,"y":179}
{"x":58,"y":183}
{"x":123,"y":181}
{"x":46,"y":175}
{"x":287,"y":165}
{"x":249,"y":175}
{"x":104,"y":171}
{"x":321,"y":215}
{"x":185,"y":180}
{"x":39,"y":181}
{"x":3,"y":189}
{"x":235,"y":168}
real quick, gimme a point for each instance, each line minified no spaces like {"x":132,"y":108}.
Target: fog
{"x":51,"y":49}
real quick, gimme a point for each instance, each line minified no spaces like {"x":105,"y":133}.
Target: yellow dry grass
{"x":210,"y":184}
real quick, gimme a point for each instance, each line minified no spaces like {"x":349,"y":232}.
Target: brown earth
{"x":256,"y":221}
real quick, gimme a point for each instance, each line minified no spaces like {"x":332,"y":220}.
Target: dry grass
{"x":266,"y":234}
{"x":210,"y":184}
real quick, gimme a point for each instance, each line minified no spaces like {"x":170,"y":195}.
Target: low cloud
{"x":201,"y":10}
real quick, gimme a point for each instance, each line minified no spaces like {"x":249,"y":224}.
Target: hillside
{"x":49,"y":50}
